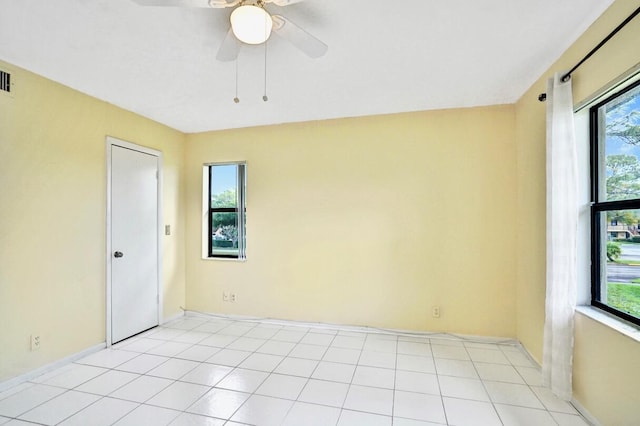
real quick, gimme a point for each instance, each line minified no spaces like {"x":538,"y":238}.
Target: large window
{"x":615,"y":214}
{"x":226,"y":212}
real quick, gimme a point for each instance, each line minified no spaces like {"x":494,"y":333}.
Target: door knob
{"x":118,"y":254}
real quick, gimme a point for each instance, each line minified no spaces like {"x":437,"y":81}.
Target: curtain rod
{"x":543,"y":96}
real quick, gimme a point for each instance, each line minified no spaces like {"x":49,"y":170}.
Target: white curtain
{"x":562,"y":223}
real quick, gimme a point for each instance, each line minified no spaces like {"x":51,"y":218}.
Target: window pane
{"x":619,"y":127}
{"x":224,"y":237}
{"x":620,"y":260}
{"x":224,"y":184}
{"x":227,"y":212}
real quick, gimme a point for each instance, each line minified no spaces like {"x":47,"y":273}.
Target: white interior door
{"x":134,"y":242}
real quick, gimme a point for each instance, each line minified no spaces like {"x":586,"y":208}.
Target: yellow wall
{"x":52,"y":210}
{"x":606,"y":374}
{"x":368,"y":221}
{"x":609,"y":392}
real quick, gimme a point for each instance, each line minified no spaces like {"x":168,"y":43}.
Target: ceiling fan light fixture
{"x":251,"y":24}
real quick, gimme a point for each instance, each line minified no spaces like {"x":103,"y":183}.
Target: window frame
{"x":240,"y":210}
{"x":602,"y":207}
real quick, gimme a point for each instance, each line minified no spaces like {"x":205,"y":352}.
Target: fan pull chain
{"x":264,"y":97}
{"x":236,"y":99}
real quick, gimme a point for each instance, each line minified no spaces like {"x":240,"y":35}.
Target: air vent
{"x":5,"y":82}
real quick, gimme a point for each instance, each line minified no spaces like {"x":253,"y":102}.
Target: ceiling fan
{"x":251,"y":23}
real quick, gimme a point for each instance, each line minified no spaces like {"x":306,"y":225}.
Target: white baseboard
{"x":30,"y":375}
{"x":531,"y":357}
{"x":586,"y":414}
{"x":173,"y":317}
{"x":357,"y":328}
{"x":49,"y":367}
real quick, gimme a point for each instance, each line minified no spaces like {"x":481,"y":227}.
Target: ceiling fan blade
{"x":229,"y":48}
{"x":284,"y":2}
{"x":304,"y":41}
{"x":223,"y":3}
{"x":188,"y":3}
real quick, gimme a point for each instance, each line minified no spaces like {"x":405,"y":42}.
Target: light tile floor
{"x":214,"y":371}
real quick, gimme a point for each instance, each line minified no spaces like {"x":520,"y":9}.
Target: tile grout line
{"x":262,"y":382}
{"x":229,"y":373}
{"x":493,"y":404}
{"x":435,"y":368}
{"x":395,"y":376}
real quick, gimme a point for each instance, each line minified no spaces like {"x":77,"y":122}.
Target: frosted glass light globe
{"x":251,"y":24}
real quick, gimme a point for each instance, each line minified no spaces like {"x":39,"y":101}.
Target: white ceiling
{"x":384,"y":56}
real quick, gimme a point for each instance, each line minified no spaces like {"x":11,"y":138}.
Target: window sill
{"x":621,"y":326}
{"x":225,"y":259}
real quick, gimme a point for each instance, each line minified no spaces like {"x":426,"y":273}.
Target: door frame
{"x":110,"y":142}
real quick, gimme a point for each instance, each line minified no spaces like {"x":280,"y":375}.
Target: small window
{"x":226,"y":213}
{"x":615,"y":192}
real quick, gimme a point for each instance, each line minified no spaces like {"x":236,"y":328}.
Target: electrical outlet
{"x":225,"y":296}
{"x":436,"y":311}
{"x":35,"y":342}
{"x":232,"y":297}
